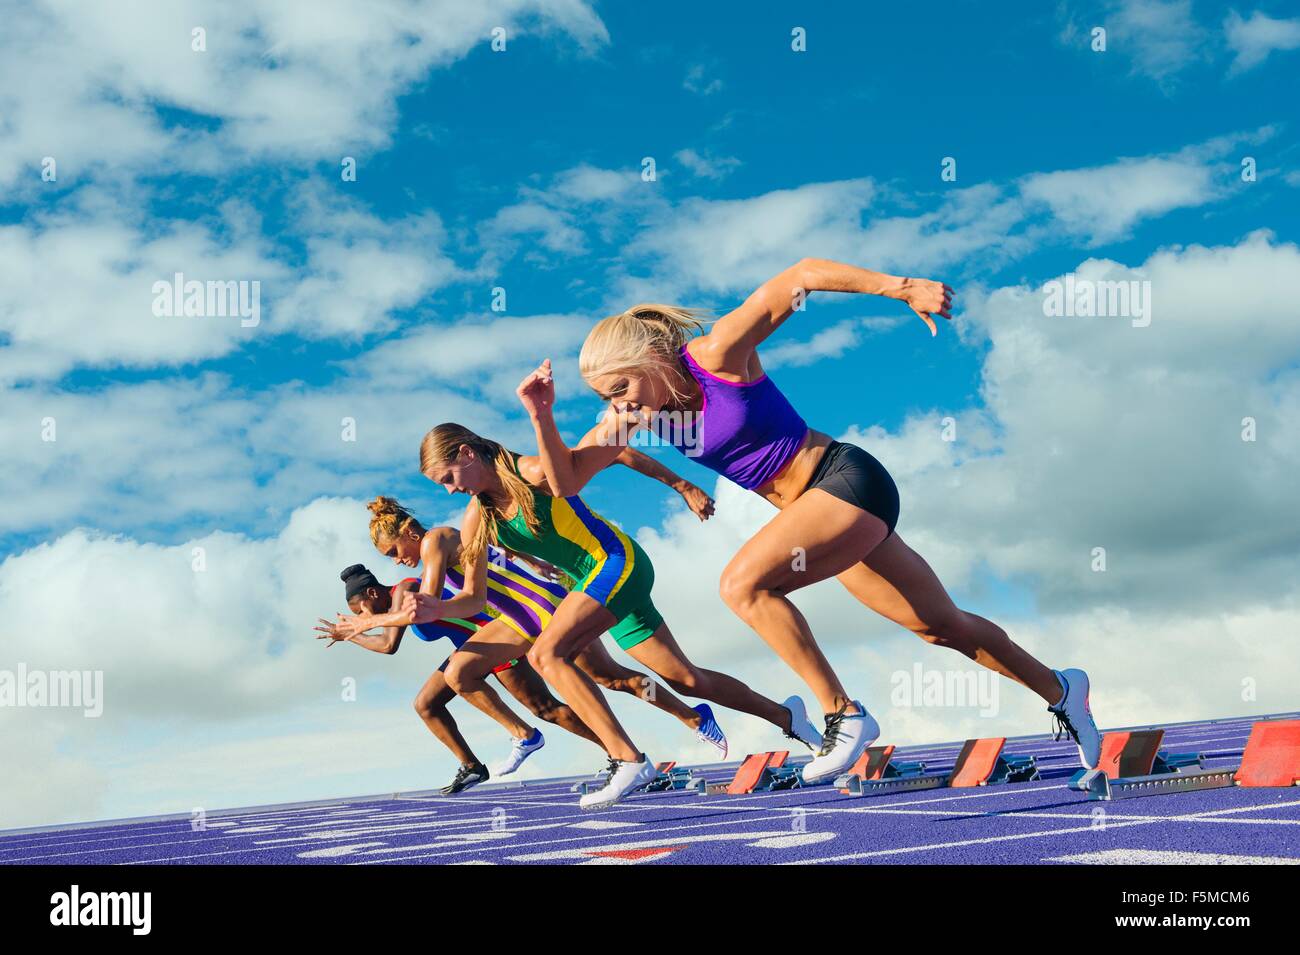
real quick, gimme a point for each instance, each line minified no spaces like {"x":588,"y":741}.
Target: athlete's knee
{"x":738,"y":588}
{"x":456,"y":675}
{"x":544,"y":660}
{"x":427,"y":707}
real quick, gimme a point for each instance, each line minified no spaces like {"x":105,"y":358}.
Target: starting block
{"x":670,"y":777}
{"x":758,"y":772}
{"x":981,"y":762}
{"x":1132,"y":764}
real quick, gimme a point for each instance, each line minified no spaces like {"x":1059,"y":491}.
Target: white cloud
{"x":89,"y":84}
{"x":696,"y":81}
{"x":1161,"y":38}
{"x":1105,"y":202}
{"x":707,"y":166}
{"x":161,"y":457}
{"x":1252,"y":41}
{"x":830,"y":342}
{"x":677,"y":249}
{"x":77,"y":283}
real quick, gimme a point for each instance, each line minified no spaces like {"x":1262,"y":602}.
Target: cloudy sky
{"x":134,"y":442}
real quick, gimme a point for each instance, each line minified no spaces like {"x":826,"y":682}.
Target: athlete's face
{"x":463,"y":474}
{"x":628,"y":392}
{"x":370,"y":601}
{"x":405,"y":551}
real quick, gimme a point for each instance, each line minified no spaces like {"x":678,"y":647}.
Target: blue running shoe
{"x":709,"y":731}
{"x":520,"y":751}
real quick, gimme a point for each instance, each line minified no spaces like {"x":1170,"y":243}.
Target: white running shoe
{"x":522,"y":749}
{"x":846,"y":736}
{"x":623,"y":779}
{"x":1074,"y":716}
{"x":801,"y":728}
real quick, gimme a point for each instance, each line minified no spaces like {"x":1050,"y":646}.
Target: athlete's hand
{"x":423,"y":608}
{"x":348,"y":625}
{"x":329,"y":632}
{"x":927,"y":298}
{"x":537,"y":391}
{"x":698,"y":501}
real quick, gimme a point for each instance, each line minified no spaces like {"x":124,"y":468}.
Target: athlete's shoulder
{"x":529,"y":467}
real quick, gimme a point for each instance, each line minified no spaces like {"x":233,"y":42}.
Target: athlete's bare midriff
{"x":792,"y":480}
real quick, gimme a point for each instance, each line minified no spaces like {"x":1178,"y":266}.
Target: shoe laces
{"x":832,"y":734}
{"x":1064,"y":727}
{"x":463,"y":773}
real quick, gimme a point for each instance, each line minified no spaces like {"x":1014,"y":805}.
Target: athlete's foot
{"x":522,"y":749}
{"x":1074,"y":716}
{"x":624,"y":778}
{"x":469,"y":774}
{"x":801,"y":728}
{"x":847,"y":735}
{"x":709,"y":731}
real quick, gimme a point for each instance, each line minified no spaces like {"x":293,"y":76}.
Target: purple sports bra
{"x":746,"y":431}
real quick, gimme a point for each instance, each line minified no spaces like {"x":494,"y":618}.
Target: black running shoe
{"x":470,"y":774}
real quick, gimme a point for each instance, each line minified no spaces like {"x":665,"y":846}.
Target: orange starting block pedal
{"x":981,"y":762}
{"x":756,"y":772}
{"x":1133,"y":765}
{"x":1272,"y":756}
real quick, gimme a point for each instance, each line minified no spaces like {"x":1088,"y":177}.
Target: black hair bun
{"x":355,"y":570}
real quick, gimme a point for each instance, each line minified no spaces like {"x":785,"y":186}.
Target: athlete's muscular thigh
{"x":815,"y":537}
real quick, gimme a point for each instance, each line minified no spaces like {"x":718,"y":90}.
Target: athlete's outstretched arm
{"x":351,"y":628}
{"x":696,"y":498}
{"x":739,"y":332}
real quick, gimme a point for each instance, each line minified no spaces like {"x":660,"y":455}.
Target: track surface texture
{"x":539,"y":822}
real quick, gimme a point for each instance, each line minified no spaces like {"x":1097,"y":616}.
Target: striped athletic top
{"x":575,"y":539}
{"x":517,"y":595}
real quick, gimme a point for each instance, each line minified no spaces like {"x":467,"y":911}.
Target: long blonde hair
{"x":443,"y":444}
{"x":644,"y":340}
{"x":388,"y":520}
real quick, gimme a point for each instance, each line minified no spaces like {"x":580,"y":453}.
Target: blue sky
{"x":521,"y":169}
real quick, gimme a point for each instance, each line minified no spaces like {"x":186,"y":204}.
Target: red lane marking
{"x":635,"y":853}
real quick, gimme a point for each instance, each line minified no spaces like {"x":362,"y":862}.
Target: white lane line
{"x":956,"y":844}
{"x":1163,"y":857}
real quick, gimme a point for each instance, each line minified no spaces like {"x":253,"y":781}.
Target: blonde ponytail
{"x":442,"y":444}
{"x":645,"y":339}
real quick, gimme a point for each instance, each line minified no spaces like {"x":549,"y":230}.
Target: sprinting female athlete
{"x":525,"y":601}
{"x":514,"y":507}
{"x":837,"y":503}
{"x":372,"y":605}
